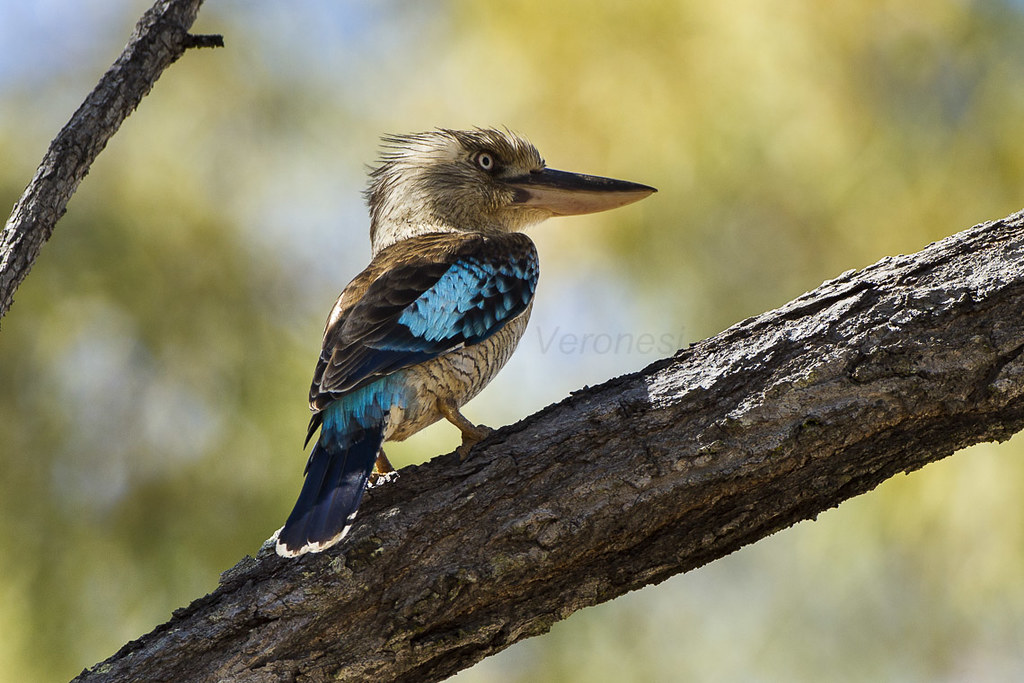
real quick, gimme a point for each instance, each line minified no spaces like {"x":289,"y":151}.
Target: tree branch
{"x":622,"y":485}
{"x":159,"y":39}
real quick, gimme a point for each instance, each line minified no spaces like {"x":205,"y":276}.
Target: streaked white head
{"x":481,"y":180}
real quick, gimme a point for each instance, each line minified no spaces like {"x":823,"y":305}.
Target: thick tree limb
{"x":622,"y":485}
{"x":159,"y":39}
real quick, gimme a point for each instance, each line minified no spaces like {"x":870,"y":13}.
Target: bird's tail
{"x":336,"y":476}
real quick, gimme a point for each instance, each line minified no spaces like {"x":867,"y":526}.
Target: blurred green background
{"x":154,"y":366}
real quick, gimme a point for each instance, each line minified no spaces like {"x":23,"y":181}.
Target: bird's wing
{"x":419,"y":299}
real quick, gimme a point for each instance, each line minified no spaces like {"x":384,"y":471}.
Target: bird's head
{"x":481,"y":180}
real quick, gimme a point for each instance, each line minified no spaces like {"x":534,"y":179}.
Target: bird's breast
{"x":456,"y":376}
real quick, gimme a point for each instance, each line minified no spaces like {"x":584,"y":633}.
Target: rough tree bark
{"x":159,"y":39}
{"x":623,"y":485}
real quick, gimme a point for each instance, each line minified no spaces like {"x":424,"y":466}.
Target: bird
{"x":437,"y":312}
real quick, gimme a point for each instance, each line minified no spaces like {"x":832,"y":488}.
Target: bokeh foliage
{"x":154,"y":366}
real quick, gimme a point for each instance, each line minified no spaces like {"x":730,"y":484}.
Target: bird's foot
{"x":471,"y":438}
{"x":471,"y":434}
{"x":383,"y":471}
{"x":378,"y":478}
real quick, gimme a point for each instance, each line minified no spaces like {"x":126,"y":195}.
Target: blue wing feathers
{"x":420,"y":299}
{"x":471,"y":301}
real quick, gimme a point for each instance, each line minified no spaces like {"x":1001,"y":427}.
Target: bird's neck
{"x":385,"y":232}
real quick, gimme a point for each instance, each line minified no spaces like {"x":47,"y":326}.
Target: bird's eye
{"x":485,"y":160}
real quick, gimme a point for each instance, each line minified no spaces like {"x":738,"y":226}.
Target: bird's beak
{"x":570,"y":194}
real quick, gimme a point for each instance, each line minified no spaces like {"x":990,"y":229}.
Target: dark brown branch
{"x":622,"y":485}
{"x":159,"y":39}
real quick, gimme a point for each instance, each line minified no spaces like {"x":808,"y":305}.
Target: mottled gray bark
{"x":622,"y":485}
{"x":160,"y":38}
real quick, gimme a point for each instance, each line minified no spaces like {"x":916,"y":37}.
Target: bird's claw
{"x":378,"y":478}
{"x":383,"y":471}
{"x":471,"y":434}
{"x":472,"y":438}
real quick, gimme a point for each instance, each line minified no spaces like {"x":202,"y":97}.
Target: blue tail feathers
{"x":336,"y":475}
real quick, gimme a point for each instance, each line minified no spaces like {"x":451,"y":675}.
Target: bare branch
{"x":622,"y":485}
{"x":159,"y":39}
